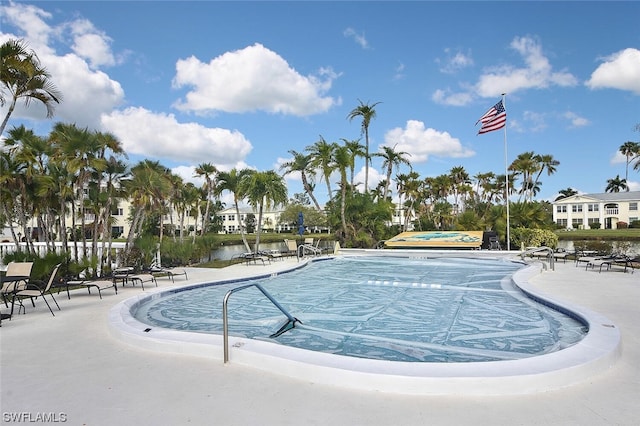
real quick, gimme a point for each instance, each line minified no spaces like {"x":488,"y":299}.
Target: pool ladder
{"x":291,"y":320}
{"x":547,"y":250}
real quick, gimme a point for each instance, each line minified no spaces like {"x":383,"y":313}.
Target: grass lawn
{"x":630,"y":234}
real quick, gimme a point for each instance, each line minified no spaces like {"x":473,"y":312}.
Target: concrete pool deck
{"x":71,"y":366}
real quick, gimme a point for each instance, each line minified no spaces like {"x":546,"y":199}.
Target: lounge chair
{"x":292,"y":248}
{"x":36,"y":291}
{"x":142,"y":278}
{"x":100,"y":284}
{"x":608,"y":262}
{"x":15,"y":279}
{"x":561,"y":254}
{"x":171,"y":273}
{"x":271,"y":254}
{"x":251,"y":257}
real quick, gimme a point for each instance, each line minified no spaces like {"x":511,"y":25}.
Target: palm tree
{"x":24,"y":78}
{"x":342,"y":160}
{"x":356,"y":149}
{"x":392,"y":158}
{"x":264,"y":189}
{"x":367,"y":113}
{"x":545,"y":162}
{"x":525,"y":165}
{"x":303,"y":164}
{"x":321,"y":154}
{"x":460,"y":182}
{"x":616,"y":184}
{"x":630,"y":150}
{"x":565,"y":193}
{"x":209,"y":172}
{"x":230,"y":181}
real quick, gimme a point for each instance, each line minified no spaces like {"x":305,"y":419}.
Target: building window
{"x":117,"y":231}
{"x":562,"y":222}
{"x":594,"y":207}
{"x":561,"y":209}
{"x":232,"y":217}
{"x":576,"y":208}
{"x":633,"y":206}
{"x":593,"y":220}
{"x":575,"y":222}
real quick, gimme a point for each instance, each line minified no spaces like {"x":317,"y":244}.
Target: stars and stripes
{"x":495,"y":118}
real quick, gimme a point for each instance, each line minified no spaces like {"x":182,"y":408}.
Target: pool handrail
{"x":225,"y":322}
{"x":549,"y":255}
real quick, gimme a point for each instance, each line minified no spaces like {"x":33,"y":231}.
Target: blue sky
{"x":239,"y":84}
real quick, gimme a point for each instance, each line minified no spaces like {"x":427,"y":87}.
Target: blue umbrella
{"x":300,"y":223}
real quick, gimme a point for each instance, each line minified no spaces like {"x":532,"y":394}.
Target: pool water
{"x":390,"y":308}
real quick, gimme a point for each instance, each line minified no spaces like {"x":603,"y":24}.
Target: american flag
{"x":494,"y":119}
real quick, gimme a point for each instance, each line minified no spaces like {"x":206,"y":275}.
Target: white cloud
{"x":358,"y":38}
{"x":31,"y":21}
{"x":535,"y":122}
{"x":576,"y":120}
{"x":374,"y":178}
{"x":537,"y":73}
{"x":446,"y":97}
{"x":90,"y":44}
{"x":618,"y":158}
{"x":162,"y":136}
{"x":251,"y":79}
{"x":86,"y":93}
{"x":399,"y":72}
{"x":454,"y":61}
{"x":422,"y":142}
{"x":619,"y":71}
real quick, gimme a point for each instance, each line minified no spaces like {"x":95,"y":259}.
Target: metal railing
{"x":291,"y":320}
{"x":549,"y":254}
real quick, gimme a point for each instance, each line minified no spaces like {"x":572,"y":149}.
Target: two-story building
{"x":608,"y":208}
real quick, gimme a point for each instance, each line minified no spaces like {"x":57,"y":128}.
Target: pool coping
{"x":597,"y":352}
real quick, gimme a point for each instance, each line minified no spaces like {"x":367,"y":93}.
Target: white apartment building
{"x":607,"y":209}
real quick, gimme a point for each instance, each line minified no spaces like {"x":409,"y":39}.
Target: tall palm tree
{"x":630,"y":150}
{"x":208,"y":171}
{"x":460,"y":182}
{"x":367,"y":112}
{"x":392,"y":159}
{"x":322,"y":158}
{"x":23,"y":77}
{"x":303,"y":164}
{"x":616,"y":184}
{"x":356,"y":149}
{"x":545,"y":162}
{"x":264,"y":189}
{"x":231,"y":181}
{"x":342,"y":160}
{"x":525,"y":165}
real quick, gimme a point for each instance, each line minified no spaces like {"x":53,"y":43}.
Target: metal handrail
{"x":549,"y":251}
{"x":225,"y":323}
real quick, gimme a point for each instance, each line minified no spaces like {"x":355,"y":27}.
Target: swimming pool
{"x":592,"y":354}
{"x":393,"y":308}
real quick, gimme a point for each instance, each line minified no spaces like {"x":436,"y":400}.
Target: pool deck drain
{"x":81,"y":370}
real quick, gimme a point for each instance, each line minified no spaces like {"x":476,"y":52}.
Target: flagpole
{"x":506,"y":174}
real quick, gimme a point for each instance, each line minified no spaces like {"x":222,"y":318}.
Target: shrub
{"x":525,"y":237}
{"x":634,"y":224}
{"x":595,"y":225}
{"x":599,"y":246}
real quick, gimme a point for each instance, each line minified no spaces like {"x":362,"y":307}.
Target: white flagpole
{"x":506,"y":174}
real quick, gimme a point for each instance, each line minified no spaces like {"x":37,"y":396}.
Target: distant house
{"x":607,"y":209}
